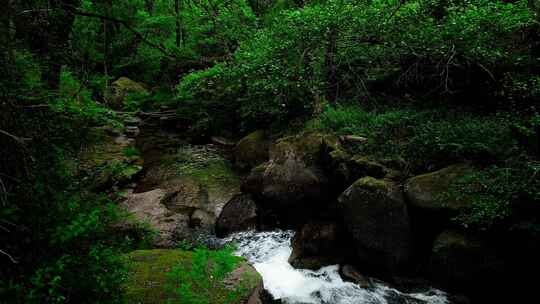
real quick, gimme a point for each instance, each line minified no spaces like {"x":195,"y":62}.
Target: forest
{"x":147,"y":147}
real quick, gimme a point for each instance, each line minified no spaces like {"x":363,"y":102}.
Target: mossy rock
{"x":426,"y":191}
{"x":377,"y":218}
{"x":147,"y":281}
{"x":252,"y":150}
{"x":121,"y":88}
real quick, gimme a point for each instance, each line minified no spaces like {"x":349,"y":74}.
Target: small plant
{"x":494,"y":192}
{"x":201,"y":282}
{"x":130,"y":152}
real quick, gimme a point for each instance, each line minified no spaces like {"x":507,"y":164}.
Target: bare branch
{"x":20,"y":140}
{"x":9,"y":256}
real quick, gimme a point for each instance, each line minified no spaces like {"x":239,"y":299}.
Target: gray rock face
{"x":376,"y":216}
{"x":239,"y":214}
{"x":148,"y":207}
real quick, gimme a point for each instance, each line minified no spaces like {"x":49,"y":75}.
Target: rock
{"x":318,"y":244}
{"x":347,"y":168}
{"x":132,"y":131}
{"x":351,"y":274}
{"x":239,"y":214}
{"x":292,"y":182}
{"x":376,"y":216}
{"x":424,"y":191}
{"x":252,"y":150}
{"x":245,"y":274}
{"x":132,"y":121}
{"x":122,"y":87}
{"x":147,"y":207}
{"x":147,"y":281}
{"x":198,"y":183}
{"x":466,"y":263}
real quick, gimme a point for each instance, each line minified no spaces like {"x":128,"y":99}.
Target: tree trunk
{"x":330,"y":67}
{"x":179,"y":37}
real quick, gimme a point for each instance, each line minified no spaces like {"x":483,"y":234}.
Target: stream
{"x":268,"y":252}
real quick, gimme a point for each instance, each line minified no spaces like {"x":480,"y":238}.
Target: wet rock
{"x":351,"y":274}
{"x":375,"y":214}
{"x":318,"y":244}
{"x":239,"y":214}
{"x":252,"y":150}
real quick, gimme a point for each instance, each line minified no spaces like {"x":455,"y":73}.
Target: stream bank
{"x":347,"y":209}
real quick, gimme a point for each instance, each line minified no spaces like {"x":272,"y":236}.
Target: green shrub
{"x":496,"y":194}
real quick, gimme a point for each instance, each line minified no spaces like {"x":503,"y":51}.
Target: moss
{"x":371,"y":183}
{"x":305,"y":146}
{"x":147,"y":282}
{"x":252,"y":150}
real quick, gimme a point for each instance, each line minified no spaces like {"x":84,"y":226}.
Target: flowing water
{"x":269,"y":252}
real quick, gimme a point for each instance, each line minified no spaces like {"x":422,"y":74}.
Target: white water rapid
{"x":269,"y":252}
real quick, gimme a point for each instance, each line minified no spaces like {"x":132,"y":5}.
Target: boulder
{"x":347,"y":168}
{"x":375,"y":214}
{"x":239,"y":214}
{"x":424,"y":191}
{"x":292,"y":182}
{"x":122,"y":87}
{"x":318,"y":244}
{"x":466,"y":263}
{"x":351,"y":274}
{"x":147,"y":207}
{"x":252,"y":150}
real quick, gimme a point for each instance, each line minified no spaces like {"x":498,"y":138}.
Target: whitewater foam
{"x":269,"y":253}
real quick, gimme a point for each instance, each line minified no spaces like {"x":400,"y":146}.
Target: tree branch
{"x":20,"y":140}
{"x":160,"y":47}
{"x":9,"y":256}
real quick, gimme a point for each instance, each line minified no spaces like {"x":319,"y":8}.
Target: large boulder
{"x":425,"y":191}
{"x":466,"y":263}
{"x":148,"y":282}
{"x":121,"y":88}
{"x":147,"y":207}
{"x":319,"y":244}
{"x":252,"y":150}
{"x":375,"y":214}
{"x":292,"y":182}
{"x":239,"y":214}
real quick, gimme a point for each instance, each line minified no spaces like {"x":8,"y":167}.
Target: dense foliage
{"x":426,"y":82}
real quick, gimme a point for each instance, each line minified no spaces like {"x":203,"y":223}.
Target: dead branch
{"x":9,"y":256}
{"x":20,"y":140}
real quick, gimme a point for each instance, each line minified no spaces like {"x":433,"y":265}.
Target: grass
{"x":156,"y":276}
